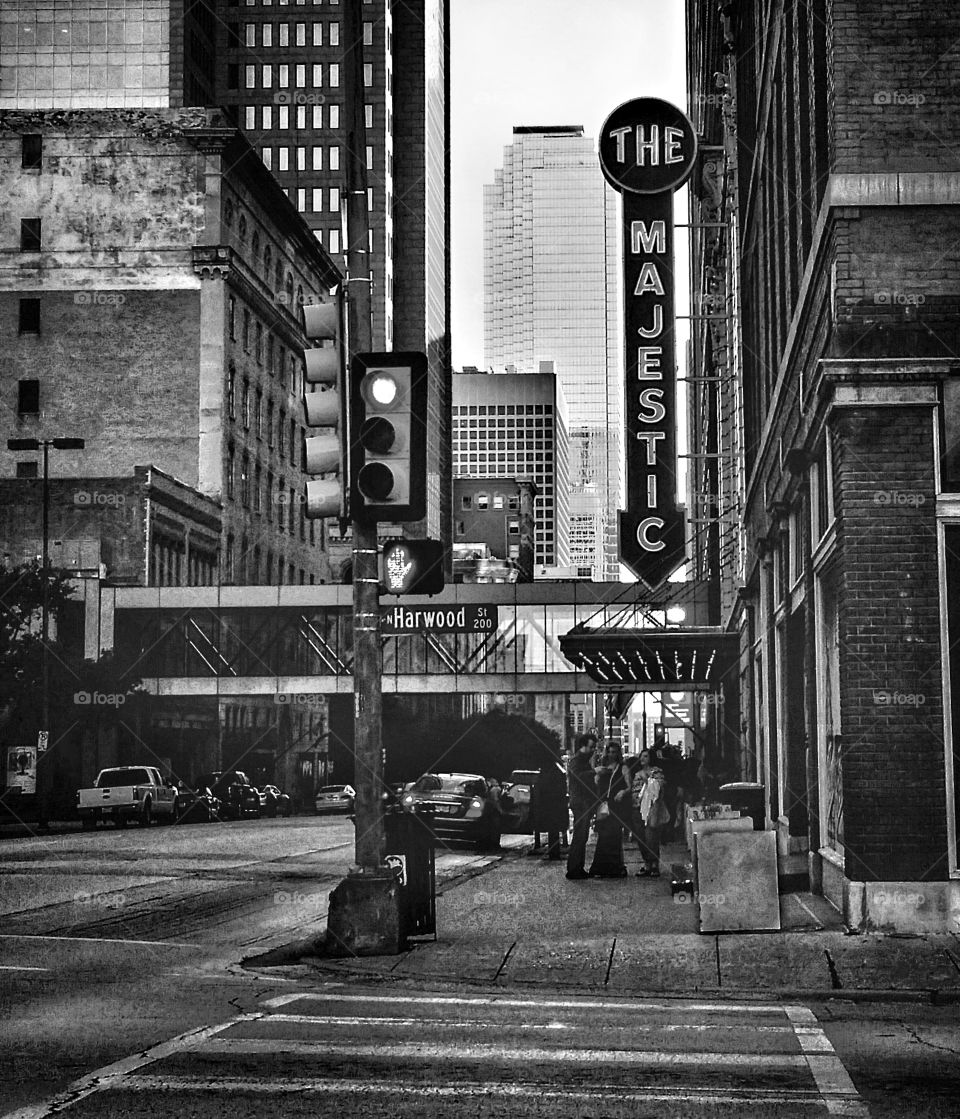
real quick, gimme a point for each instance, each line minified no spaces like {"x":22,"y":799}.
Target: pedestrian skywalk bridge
{"x":348,"y":1052}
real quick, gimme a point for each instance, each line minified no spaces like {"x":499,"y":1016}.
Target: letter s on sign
{"x":643,"y":534}
{"x":652,"y":399}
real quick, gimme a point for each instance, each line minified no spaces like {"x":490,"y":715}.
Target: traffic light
{"x":326,"y":452}
{"x":388,"y":454}
{"x":412,"y":567}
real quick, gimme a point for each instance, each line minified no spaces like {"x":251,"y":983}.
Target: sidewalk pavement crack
{"x":503,"y":962}
{"x":834,"y":975}
{"x":613,"y":948}
{"x":913,"y":1031}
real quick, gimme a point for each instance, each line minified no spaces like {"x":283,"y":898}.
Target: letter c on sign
{"x":643,"y":530}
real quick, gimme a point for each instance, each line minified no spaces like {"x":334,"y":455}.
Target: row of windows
{"x":481,"y":501}
{"x":256,"y":490}
{"x":259,"y":343}
{"x":269,"y":34}
{"x":254,"y":417}
{"x":503,"y":410}
{"x":262,"y":76}
{"x":246,"y":568}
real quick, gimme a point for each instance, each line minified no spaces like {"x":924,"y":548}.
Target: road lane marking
{"x":560,"y":1004}
{"x":252,"y":1047}
{"x":107,"y":1076}
{"x":21,"y":967}
{"x":837,"y":1090}
{"x":288,"y":1086}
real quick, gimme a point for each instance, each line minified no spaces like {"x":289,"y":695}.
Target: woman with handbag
{"x":613,"y":809}
{"x":650,"y":813}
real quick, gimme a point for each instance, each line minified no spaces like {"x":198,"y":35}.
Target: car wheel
{"x":146,"y":816}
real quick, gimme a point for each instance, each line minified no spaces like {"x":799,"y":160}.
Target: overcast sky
{"x":540,"y":62}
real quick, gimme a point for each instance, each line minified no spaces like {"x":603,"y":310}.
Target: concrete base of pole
{"x":364,"y":917}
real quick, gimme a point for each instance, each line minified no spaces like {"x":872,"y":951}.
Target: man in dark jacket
{"x":583,"y":801}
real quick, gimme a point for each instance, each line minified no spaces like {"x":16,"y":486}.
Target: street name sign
{"x":471,"y":618}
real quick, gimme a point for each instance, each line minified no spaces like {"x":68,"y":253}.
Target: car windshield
{"x":115,"y":777}
{"x":333,"y":790}
{"x":523,"y":776}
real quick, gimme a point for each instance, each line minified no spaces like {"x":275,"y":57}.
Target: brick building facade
{"x":826,"y":269}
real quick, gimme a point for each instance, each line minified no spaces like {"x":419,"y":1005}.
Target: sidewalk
{"x":521,"y":923}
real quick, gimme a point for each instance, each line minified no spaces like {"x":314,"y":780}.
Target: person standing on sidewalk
{"x":650,"y":813}
{"x":552,"y":812}
{"x":583,"y":802}
{"x":613,"y":813}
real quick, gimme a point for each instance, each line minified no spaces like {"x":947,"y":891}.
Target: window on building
{"x":229,"y":557}
{"x":28,"y":397}
{"x":258,"y":414}
{"x":367,"y":74}
{"x":334,"y":116}
{"x":334,"y":34}
{"x":318,"y":34}
{"x":334,"y":200}
{"x":317,"y":117}
{"x":284,"y":34}
{"x":246,"y":331}
{"x":283,"y":75}
{"x":245,"y":480}
{"x":368,"y":115}
{"x":267,"y":32}
{"x":266,"y":117}
{"x":29,"y":319}
{"x":281,"y":497}
{"x":333,"y":159}
{"x":31,"y":151}
{"x":301,"y":116}
{"x":334,"y":241}
{"x":300,"y":75}
{"x":232,"y":392}
{"x":333,"y":75}
{"x":30,"y":235}
{"x":27,"y":468}
{"x":293,"y":444}
{"x":245,"y":404}
{"x":250,"y":77}
{"x":267,"y":156}
{"x":367,"y":33}
{"x":302,"y":199}
{"x":250,"y":34}
{"x":301,"y":34}
{"x":250,"y":117}
{"x":301,"y":159}
{"x":283,"y":159}
{"x":317,"y":199}
{"x":258,"y":489}
{"x":483,"y":501}
{"x":231,"y":469}
{"x":369,"y":157}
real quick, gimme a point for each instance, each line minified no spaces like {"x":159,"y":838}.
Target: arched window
{"x":228,"y":213}
{"x":255,"y":246}
{"x":267,"y":261}
{"x":242,"y":228}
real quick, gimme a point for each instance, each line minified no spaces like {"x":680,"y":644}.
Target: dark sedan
{"x":236,"y":792}
{"x":462,"y":805}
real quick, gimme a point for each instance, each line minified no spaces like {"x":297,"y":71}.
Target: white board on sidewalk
{"x":737,"y":881}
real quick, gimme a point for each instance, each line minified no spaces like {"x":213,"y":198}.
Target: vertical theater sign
{"x":647,"y":150}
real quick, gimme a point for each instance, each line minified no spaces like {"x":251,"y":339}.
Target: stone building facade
{"x":827,"y":270}
{"x":152,"y":274}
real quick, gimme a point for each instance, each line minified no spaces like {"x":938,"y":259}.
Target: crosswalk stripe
{"x":549,"y":1004}
{"x":203,"y":1083}
{"x":833,"y":1080}
{"x":464,"y":1023}
{"x":251,"y":1047}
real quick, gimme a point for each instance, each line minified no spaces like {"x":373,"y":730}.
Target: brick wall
{"x":896,"y":85}
{"x":888,"y":603}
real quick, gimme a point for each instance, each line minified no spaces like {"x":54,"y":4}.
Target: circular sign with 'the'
{"x":647,"y":146}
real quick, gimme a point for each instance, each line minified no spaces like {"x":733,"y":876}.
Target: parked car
{"x":334,"y":798}
{"x":130,"y":792}
{"x":463,"y":807}
{"x":517,"y":794}
{"x":273,"y":802}
{"x":198,"y":806}
{"x":237,"y":794}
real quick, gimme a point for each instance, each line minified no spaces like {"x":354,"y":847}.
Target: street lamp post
{"x":60,"y":444}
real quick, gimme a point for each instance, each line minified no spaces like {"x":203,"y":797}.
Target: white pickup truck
{"x":135,"y":792}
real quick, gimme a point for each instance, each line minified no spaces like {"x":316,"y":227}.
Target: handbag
{"x":603,"y":811}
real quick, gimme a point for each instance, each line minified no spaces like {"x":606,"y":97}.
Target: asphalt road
{"x":119,"y":975}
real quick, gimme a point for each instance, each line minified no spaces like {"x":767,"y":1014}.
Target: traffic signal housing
{"x":388,"y":453}
{"x":327,"y":450}
{"x":412,"y":567}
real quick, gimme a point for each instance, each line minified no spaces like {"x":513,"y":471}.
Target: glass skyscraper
{"x":551,"y":294}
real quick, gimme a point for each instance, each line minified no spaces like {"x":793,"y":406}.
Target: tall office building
{"x":551,"y":293}
{"x":280,"y":74}
{"x":515,"y":426}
